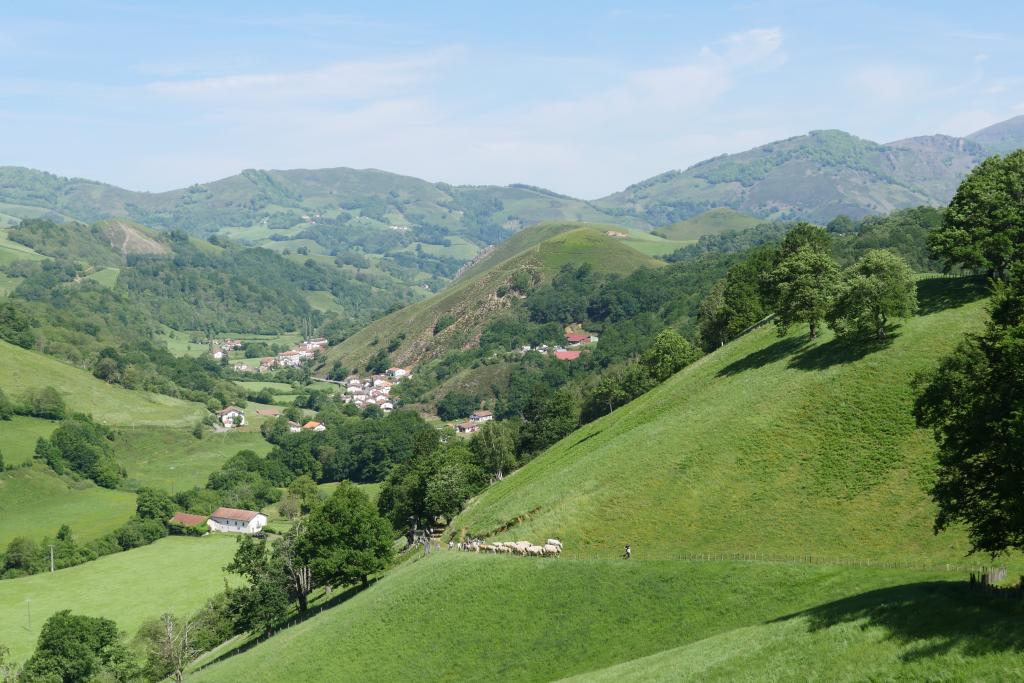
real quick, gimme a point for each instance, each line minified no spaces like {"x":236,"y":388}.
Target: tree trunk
{"x":366,"y":580}
{"x":303,"y":602}
{"x":814,"y":329}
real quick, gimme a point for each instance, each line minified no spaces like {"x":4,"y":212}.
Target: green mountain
{"x":711,"y":222}
{"x":473,"y":300}
{"x":815,"y":176}
{"x":775,"y":496}
{"x":258,"y":203}
{"x":1001,"y":138}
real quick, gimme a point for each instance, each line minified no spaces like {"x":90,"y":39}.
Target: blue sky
{"x":583,"y":98}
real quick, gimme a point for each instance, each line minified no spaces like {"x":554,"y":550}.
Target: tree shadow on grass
{"x":313,"y":611}
{"x":931,"y":618}
{"x":770,"y":354}
{"x":838,"y":351}
{"x":939,"y":293}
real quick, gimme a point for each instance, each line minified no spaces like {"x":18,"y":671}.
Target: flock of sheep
{"x":551,"y":548}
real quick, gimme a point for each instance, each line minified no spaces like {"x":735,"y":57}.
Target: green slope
{"x":21,"y":369}
{"x":766,"y":445}
{"x":804,"y":452}
{"x":472,"y":299}
{"x":175,"y":574}
{"x":483,"y":618}
{"x":710,"y":222}
{"x":35,"y":502}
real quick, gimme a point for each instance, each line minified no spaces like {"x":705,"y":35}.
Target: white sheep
{"x":551,"y":549}
{"x":553,"y":541}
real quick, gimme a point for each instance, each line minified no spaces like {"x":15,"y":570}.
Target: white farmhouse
{"x":232,"y":416}
{"x":237,"y":521}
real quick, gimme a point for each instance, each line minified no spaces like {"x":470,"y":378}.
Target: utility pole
{"x":51,"y":558}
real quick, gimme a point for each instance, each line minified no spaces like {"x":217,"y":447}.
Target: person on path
{"x":629,"y":552}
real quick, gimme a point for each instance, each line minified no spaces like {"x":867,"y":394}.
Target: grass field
{"x":766,"y":445}
{"x":651,"y":244}
{"x":174,"y":460}
{"x":21,"y":369}
{"x":106,"y":276}
{"x":18,"y":437}
{"x":482,"y":618}
{"x":710,"y":222}
{"x":323,"y":300}
{"x":258,"y":386}
{"x":175,"y":574}
{"x":35,"y":502}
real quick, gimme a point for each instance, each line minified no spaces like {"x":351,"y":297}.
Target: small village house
{"x":314,"y":426}
{"x":397,"y":373}
{"x":294,"y":427}
{"x":232,"y":416}
{"x":232,"y":520}
{"x":481,"y":416}
{"x":467,"y":428}
{"x":562,"y":354}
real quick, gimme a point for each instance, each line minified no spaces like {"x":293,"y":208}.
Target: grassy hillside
{"x":710,"y":222}
{"x":767,"y":445}
{"x":483,"y":618}
{"x":174,"y":460}
{"x":18,"y":437}
{"x":175,"y":574}
{"x":472,"y":300}
{"x":920,"y":631}
{"x":35,"y":502}
{"x":21,"y":369}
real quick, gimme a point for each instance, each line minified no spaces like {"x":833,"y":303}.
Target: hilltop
{"x":711,"y":222}
{"x":1002,"y":137}
{"x":473,"y":300}
{"x":768,"y":446}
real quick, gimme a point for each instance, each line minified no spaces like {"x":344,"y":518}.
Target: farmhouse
{"x":314,"y":426}
{"x":294,"y":427}
{"x":232,"y":416}
{"x":397,"y":373}
{"x":186,"y":519}
{"x":467,"y":428}
{"x":481,"y":416}
{"x":567,"y":355}
{"x":237,"y":521}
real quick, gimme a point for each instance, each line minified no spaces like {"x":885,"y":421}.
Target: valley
{"x":269,"y":411}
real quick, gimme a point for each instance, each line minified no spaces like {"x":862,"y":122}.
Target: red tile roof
{"x":235,"y":514}
{"x":482,"y":413}
{"x":567,"y":355}
{"x":186,"y":519}
{"x":311,"y":425}
{"x":574,"y":338}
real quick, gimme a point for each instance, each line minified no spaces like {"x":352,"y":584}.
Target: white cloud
{"x":352,"y":80}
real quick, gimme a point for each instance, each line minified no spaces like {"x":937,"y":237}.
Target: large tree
{"x":73,"y":647}
{"x":984,"y":225}
{"x":667,"y":355}
{"x":876,"y":289}
{"x":345,"y":540}
{"x":974,"y":403}
{"x":805,"y":285}
{"x":263,"y":601}
{"x":494,"y":447}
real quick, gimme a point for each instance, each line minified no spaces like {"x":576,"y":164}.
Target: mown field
{"x":35,"y":502}
{"x":767,"y":445}
{"x":18,"y":437}
{"x":174,"y":460}
{"x":175,"y":574}
{"x":21,"y":369}
{"x":483,"y":618}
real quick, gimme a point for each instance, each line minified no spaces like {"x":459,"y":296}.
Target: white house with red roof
{"x":232,"y":416}
{"x":481,"y":416}
{"x":233,"y":520}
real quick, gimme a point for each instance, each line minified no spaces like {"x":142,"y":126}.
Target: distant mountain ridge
{"x":814,"y":176}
